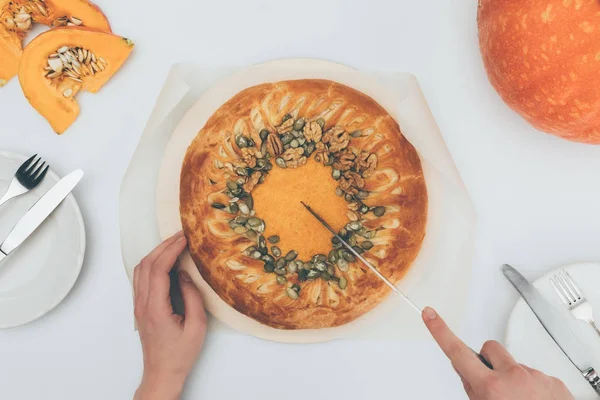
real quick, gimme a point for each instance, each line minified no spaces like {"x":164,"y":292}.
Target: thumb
{"x":195,"y":316}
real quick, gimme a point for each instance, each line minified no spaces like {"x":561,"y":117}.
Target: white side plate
{"x":529,"y":343}
{"x":40,"y":273}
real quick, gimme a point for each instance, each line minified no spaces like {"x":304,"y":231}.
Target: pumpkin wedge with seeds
{"x":17,"y":18}
{"x":245,"y":174}
{"x":64,"y":61}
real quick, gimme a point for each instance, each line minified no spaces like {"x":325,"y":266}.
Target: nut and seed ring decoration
{"x":376,"y":172}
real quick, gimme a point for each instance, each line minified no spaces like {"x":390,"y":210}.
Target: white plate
{"x":527,"y":340}
{"x":39,"y":274}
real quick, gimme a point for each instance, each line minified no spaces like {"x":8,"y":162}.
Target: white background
{"x":537,"y":197}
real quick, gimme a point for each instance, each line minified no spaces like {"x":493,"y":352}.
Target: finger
{"x":160,"y":282}
{"x":136,"y":278}
{"x":497,"y":355}
{"x":462,"y":357}
{"x":158,"y":250}
{"x":195,"y":316}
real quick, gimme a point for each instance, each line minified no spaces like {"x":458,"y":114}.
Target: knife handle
{"x":593,"y":378}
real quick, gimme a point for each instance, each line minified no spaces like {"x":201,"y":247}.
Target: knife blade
{"x":379,"y":274}
{"x":38,"y":213}
{"x":554,"y":324}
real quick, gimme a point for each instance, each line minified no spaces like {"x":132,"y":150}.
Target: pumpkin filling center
{"x":301,"y":161}
{"x":18,"y":17}
{"x":68,"y":66}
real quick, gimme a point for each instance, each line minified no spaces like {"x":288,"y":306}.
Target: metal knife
{"x":379,"y":274}
{"x":554,"y":325}
{"x":39,"y":212}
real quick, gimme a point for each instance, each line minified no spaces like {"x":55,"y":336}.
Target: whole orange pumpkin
{"x":543,"y":58}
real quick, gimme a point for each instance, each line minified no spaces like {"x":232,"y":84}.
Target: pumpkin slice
{"x":61,"y":62}
{"x":18,"y":16}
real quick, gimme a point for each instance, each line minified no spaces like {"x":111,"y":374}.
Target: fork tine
{"x":35,"y":173}
{"x":29,"y":169}
{"x":26,"y":164}
{"x":41,"y":176}
{"x":567,"y":290}
{"x":572,"y":285}
{"x":558,"y":291}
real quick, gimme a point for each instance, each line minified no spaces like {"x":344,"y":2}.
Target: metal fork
{"x":573,"y":298}
{"x":26,"y":178}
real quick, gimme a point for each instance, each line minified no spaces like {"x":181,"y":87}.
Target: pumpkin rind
{"x":59,"y":110}
{"x":10,"y":41}
{"x":543,"y":58}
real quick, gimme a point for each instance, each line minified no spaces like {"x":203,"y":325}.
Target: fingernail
{"x":181,"y":239}
{"x":184,"y":276}
{"x":429,"y":313}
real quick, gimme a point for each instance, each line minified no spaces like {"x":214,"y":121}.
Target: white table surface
{"x":538,"y":197}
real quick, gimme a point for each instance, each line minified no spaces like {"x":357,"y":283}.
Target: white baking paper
{"x":440,"y":275}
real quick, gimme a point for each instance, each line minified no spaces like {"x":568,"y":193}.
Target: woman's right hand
{"x":507,"y":381}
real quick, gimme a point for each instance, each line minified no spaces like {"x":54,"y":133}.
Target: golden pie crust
{"x":218,"y":252}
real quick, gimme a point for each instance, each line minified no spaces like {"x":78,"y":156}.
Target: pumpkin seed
{"x":367,"y":245}
{"x":241,"y":220}
{"x":269,"y":267}
{"x":355,"y":225}
{"x":240,"y":182}
{"x":240,"y":230}
{"x":343,"y":283}
{"x":252,"y":235}
{"x":254,"y":222}
{"x":356,"y":133}
{"x":364,"y":209}
{"x":336,"y":174}
{"x":320,"y":257}
{"x":233,"y":208}
{"x":321,"y":123}
{"x":273,"y":239}
{"x":241,"y":141}
{"x":339,"y":192}
{"x":302,"y":275}
{"x":342,"y":265}
{"x":362,"y":194}
{"x":218,"y":206}
{"x":320,"y":266}
{"x":292,"y":267}
{"x":312,"y":274}
{"x":330,"y":270}
{"x":296,"y":287}
{"x":286,"y":117}
{"x":370,"y":234}
{"x":333,"y":256}
{"x":291,"y":255}
{"x":343,"y":232}
{"x":256,"y":255}
{"x":249,"y":202}
{"x":379,"y":211}
{"x":299,"y":124}
{"x":233,"y":224}
{"x":325,"y":276}
{"x":281,"y":263}
{"x":261,"y":163}
{"x":286,"y":138}
{"x":281,"y":279}
{"x":250,"y":143}
{"x":244,"y":208}
{"x":301,"y":140}
{"x":292,"y":293}
{"x":280,"y":271}
{"x":296,"y":134}
{"x":263,"y":134}
{"x":358,"y":249}
{"x":276,"y":251}
{"x":231,"y":185}
{"x":346,"y":255}
{"x":262,"y":244}
{"x":310,"y":148}
{"x":280,"y":162}
{"x":352,"y":240}
{"x":348,"y":197}
{"x":267,"y":258}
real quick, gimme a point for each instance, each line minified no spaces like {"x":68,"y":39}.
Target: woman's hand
{"x":171,"y":343}
{"x":508,"y":380}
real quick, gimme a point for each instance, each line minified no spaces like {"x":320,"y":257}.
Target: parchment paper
{"x":440,"y":275}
